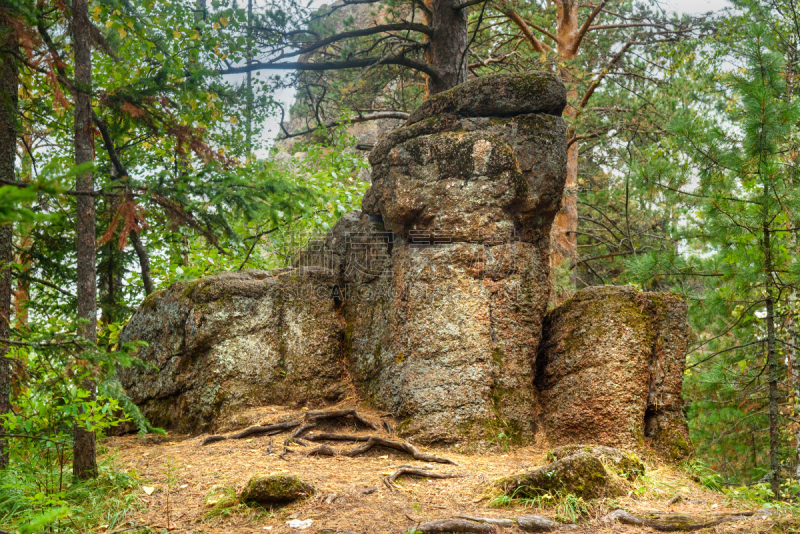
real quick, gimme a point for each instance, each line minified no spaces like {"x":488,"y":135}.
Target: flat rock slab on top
{"x":502,"y":95}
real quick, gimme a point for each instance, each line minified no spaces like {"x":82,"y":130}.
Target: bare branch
{"x":361,"y":118}
{"x":335,"y":65}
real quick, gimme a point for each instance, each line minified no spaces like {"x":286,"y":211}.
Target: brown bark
{"x":144,"y":262}
{"x":22,"y":288}
{"x":84,"y":447}
{"x":447,"y":45}
{"x":9,"y":86}
{"x":568,"y":38}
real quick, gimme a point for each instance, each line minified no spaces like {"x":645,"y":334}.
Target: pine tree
{"x":742,"y":175}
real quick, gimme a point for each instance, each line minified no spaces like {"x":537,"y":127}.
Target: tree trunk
{"x":84,"y":463}
{"x":447,"y":46}
{"x":772,"y":365}
{"x":563,"y":236}
{"x":249,"y":78}
{"x":9,"y":86}
{"x":144,"y":262}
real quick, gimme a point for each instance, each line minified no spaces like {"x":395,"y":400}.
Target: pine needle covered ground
{"x":187,"y":487}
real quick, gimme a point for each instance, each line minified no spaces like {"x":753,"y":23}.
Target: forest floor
{"x":178,"y":474}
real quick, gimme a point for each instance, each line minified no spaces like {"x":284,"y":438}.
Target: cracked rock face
{"x":611,"y":370}
{"x":234,"y":340}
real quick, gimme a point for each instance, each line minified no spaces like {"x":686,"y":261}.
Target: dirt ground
{"x":178,"y":474}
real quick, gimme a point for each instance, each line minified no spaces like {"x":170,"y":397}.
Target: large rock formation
{"x":233,"y":340}
{"x":468,"y":191}
{"x":611,"y":370}
{"x":431,"y":302}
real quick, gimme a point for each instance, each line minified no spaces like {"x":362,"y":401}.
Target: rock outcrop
{"x":448,"y":340}
{"x":431,"y":302}
{"x":622,"y":463}
{"x":233,"y":340}
{"x":611,"y":370}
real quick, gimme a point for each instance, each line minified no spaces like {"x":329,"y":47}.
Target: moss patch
{"x":581,"y":474}
{"x":275,"y":489}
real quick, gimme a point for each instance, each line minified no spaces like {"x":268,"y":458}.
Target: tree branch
{"x":399,"y":26}
{"x":361,"y":118}
{"x":596,"y":83}
{"x":538,"y":45}
{"x":335,"y":65}
{"x":586,"y":25}
{"x":459,"y":5}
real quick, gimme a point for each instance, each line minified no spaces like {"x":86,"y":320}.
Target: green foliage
{"x":568,"y":507}
{"x":733,"y":171}
{"x":30,"y":501}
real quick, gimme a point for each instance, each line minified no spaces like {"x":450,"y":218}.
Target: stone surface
{"x":431,"y":303}
{"x":610,"y":371}
{"x":275,"y":489}
{"x":484,"y":179}
{"x":498,"y":96}
{"x":444,"y":333}
{"x":623,"y":463}
{"x":581,"y":474}
{"x":234,"y":340}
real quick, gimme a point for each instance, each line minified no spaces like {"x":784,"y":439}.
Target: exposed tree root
{"x":374,"y":441}
{"x":504,"y":523}
{"x":415,"y":471}
{"x":310,"y":418}
{"x":327,"y":436}
{"x":318,"y":415}
{"x":451,"y":525}
{"x":269,"y":430}
{"x":672,"y":522}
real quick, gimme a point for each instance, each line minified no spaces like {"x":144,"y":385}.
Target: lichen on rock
{"x":610,"y":371}
{"x":622,"y":463}
{"x":233,"y":340}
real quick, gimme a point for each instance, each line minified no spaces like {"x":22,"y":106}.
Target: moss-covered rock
{"x":501,"y":95}
{"x":581,"y":474}
{"x":622,"y":463}
{"x":234,"y":340}
{"x":610,"y":371}
{"x":275,"y":489}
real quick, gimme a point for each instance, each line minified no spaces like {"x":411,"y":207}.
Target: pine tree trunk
{"x":772,"y":365}
{"x":249,"y":78}
{"x":563,"y":236}
{"x":84,"y":463}
{"x":447,"y":46}
{"x":9,"y":86}
{"x":144,"y":262}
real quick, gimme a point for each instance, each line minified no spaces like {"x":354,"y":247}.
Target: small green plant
{"x":568,"y":507}
{"x":703,"y":474}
